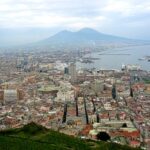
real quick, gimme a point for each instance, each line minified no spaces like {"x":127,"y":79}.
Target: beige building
{"x":10,"y":96}
{"x":1,"y":96}
{"x":72,"y":72}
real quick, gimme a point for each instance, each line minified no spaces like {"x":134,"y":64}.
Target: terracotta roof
{"x":134,"y":143}
{"x":86,"y":130}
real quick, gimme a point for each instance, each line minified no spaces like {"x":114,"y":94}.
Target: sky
{"x":24,"y":21}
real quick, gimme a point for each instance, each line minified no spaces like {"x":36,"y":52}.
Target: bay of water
{"x":114,"y":58}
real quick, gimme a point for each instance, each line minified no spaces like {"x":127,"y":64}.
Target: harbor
{"x":114,"y":58}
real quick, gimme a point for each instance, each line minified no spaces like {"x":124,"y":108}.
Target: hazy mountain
{"x":85,"y":37}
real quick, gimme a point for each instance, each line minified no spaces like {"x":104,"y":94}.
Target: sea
{"x":114,"y":58}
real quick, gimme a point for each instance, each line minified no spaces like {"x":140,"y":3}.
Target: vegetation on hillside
{"x":36,"y":137}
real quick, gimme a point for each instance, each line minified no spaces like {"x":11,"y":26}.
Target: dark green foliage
{"x":131,"y":92}
{"x":146,"y":80}
{"x":124,"y":125}
{"x":94,"y":107}
{"x":35,"y":137}
{"x":7,"y":132}
{"x":65,"y":114}
{"x":33,"y":128}
{"x":103,"y":136}
{"x":114,"y":92}
{"x":86,"y":114}
{"x":97,"y":117}
{"x":77,"y":111}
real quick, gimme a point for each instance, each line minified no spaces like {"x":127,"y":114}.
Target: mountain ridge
{"x":86,"y":33}
{"x":81,"y":39}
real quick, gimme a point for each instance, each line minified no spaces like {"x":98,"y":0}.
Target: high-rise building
{"x":66,"y":70}
{"x":10,"y":96}
{"x":1,"y":96}
{"x":72,"y":72}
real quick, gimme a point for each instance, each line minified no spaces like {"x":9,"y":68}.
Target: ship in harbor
{"x":86,"y":60}
{"x":131,"y":67}
{"x":141,"y":59}
{"x":147,"y":58}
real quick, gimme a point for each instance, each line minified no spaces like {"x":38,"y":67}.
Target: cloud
{"x":46,"y":12}
{"x":127,"y":8}
{"x":75,"y":14}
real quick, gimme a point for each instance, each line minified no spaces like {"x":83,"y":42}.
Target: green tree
{"x":114,"y":91}
{"x":103,"y":136}
{"x":131,"y":92}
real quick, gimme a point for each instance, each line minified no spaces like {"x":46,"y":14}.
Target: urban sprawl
{"x":51,"y":90}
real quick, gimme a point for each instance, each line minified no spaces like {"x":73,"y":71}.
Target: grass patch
{"x":35,"y":137}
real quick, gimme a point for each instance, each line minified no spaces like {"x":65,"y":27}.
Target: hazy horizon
{"x":23,"y":22}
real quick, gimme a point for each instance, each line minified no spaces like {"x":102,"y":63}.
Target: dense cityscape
{"x":74,"y":75}
{"x":50,"y":89}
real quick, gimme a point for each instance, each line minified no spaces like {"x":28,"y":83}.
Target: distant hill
{"x":84,"y":38}
{"x":36,"y":137}
{"x":83,"y":35}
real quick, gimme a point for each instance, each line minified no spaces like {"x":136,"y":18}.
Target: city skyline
{"x":29,"y":21}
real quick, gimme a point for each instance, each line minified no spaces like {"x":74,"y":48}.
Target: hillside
{"x":82,"y":38}
{"x":36,"y":137}
{"x":85,"y":34}
{"x":86,"y":38}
